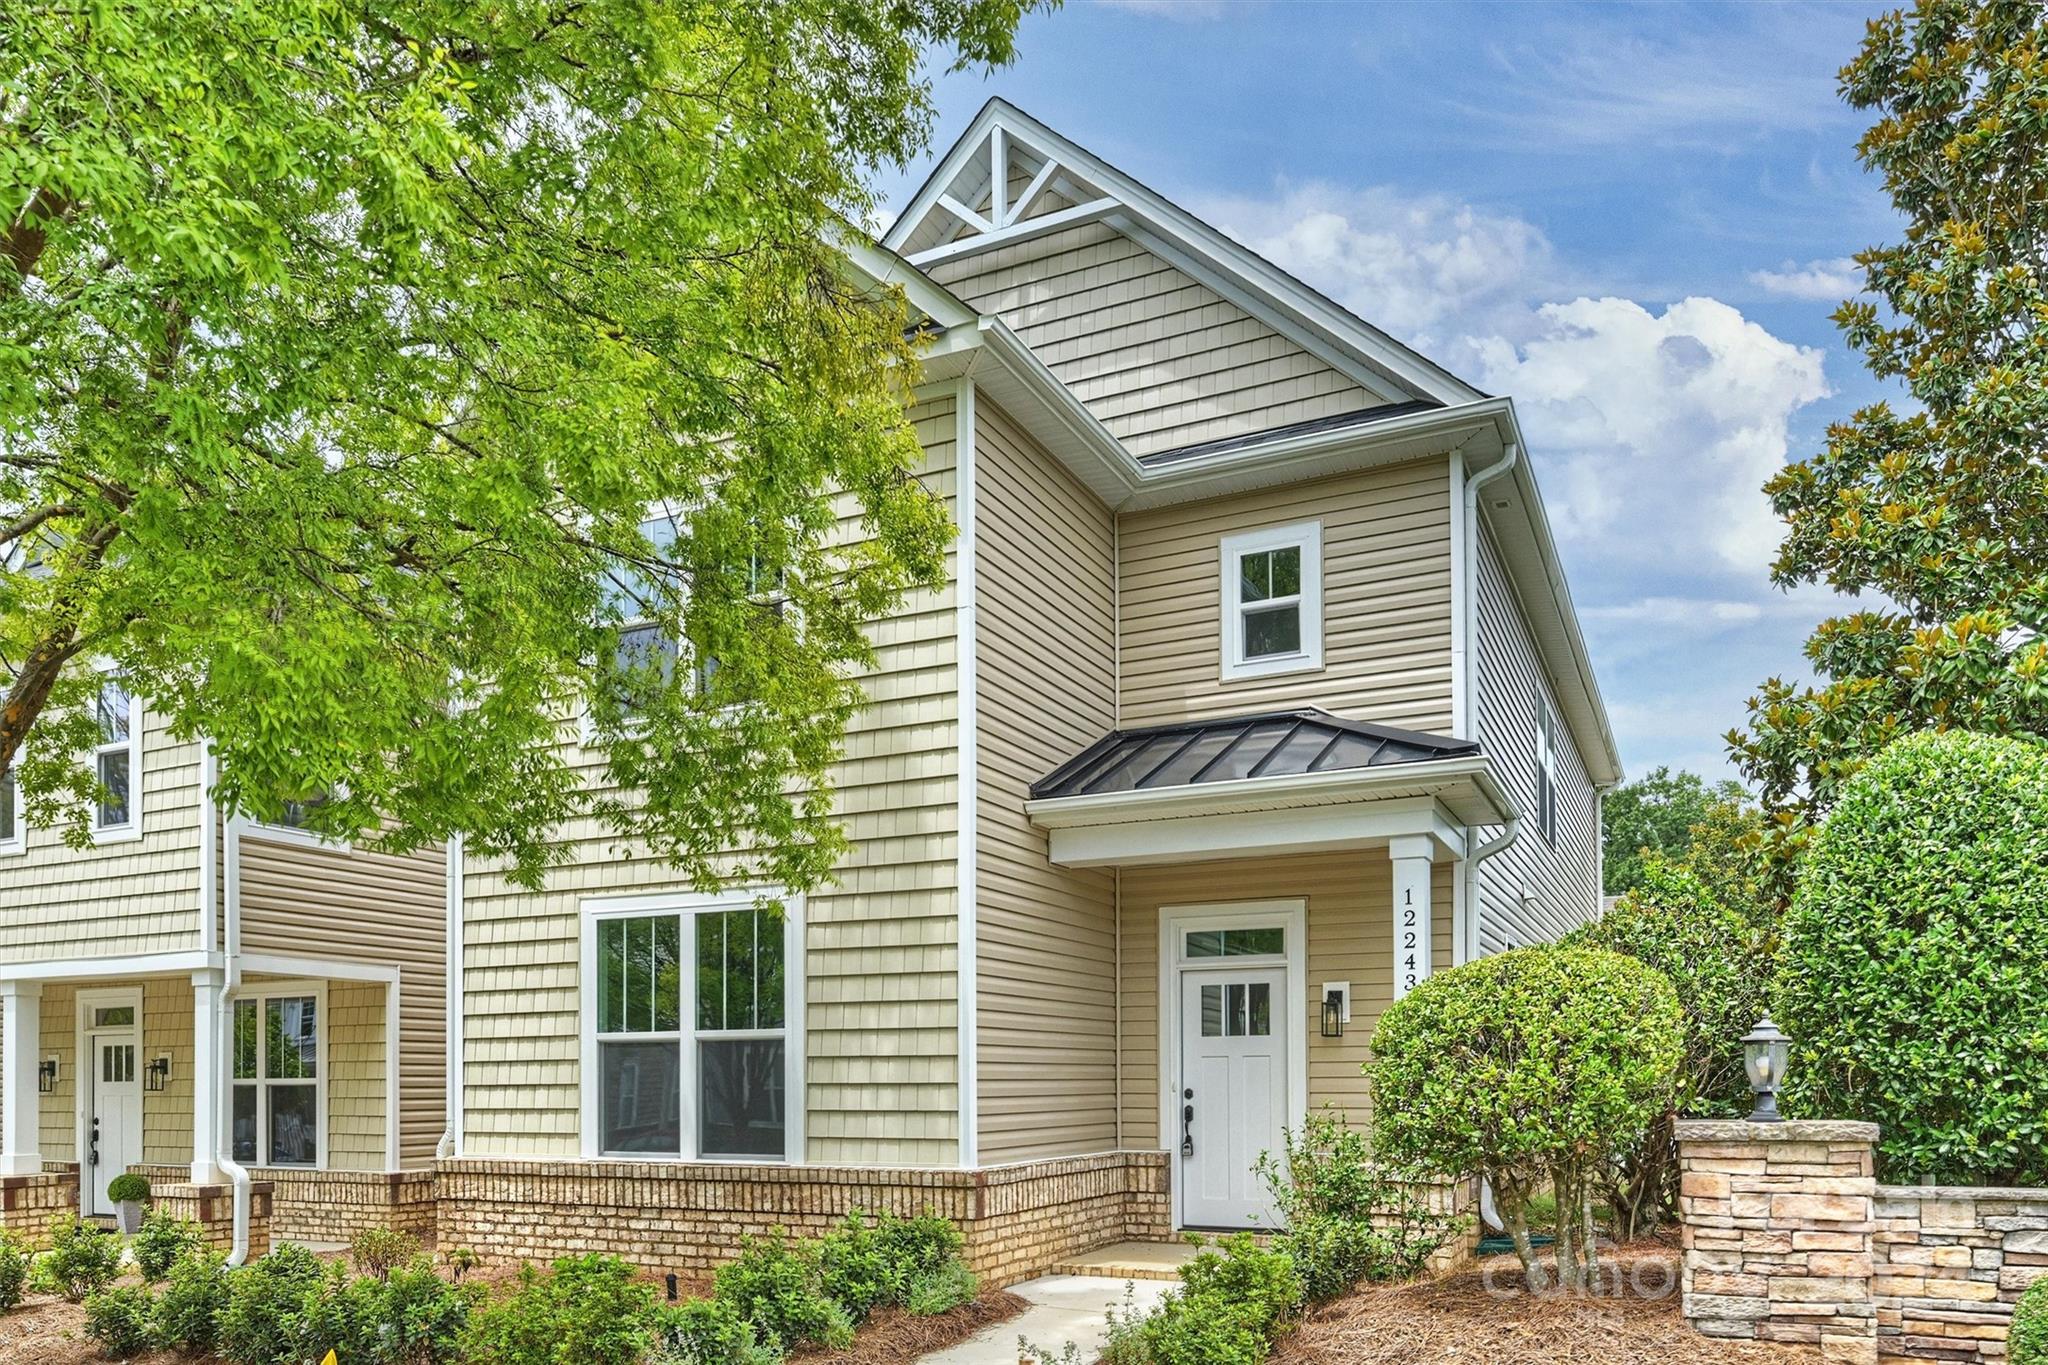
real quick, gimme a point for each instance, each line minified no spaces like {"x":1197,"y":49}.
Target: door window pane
{"x":244,"y":1123}
{"x":641,"y":1097}
{"x":113,"y":1016}
{"x":291,"y":1042}
{"x":1260,"y":1021}
{"x":742,"y":1085}
{"x":1212,"y":1011}
{"x":1236,"y":942}
{"x":294,"y":1125}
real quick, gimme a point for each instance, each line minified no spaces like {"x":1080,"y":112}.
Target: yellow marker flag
{"x":328,"y":1359}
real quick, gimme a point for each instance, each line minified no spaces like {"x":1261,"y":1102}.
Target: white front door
{"x":113,"y":1114}
{"x":1234,"y":1024}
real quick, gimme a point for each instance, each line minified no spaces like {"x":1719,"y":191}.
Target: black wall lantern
{"x":1336,"y":1008}
{"x":1765,"y":1054}
{"x":46,"y":1076}
{"x":157,"y":1074}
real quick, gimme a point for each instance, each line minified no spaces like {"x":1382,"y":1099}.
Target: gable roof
{"x":965,"y":206}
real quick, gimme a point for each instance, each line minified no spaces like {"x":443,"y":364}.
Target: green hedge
{"x":1914,"y":960}
{"x":2028,"y":1342}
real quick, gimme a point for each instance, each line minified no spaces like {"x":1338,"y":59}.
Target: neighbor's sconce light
{"x":46,"y":1076}
{"x":1336,"y":1008}
{"x":1765,"y":1052}
{"x":158,"y":1073}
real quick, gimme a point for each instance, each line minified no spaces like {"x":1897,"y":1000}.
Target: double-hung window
{"x":13,"y":832}
{"x":277,"y":1079}
{"x":1272,"y":595}
{"x":1546,"y":770}
{"x":689,"y":1053}
{"x":117,"y":761}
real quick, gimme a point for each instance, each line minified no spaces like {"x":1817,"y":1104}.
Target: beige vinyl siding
{"x":1533,"y":891}
{"x":355,"y":1077}
{"x":373,"y":909}
{"x":58,"y":1110}
{"x":1350,"y":899}
{"x":1045,"y":640}
{"x":1159,"y":358}
{"x":882,"y":995}
{"x":117,"y":899}
{"x":1386,"y":601}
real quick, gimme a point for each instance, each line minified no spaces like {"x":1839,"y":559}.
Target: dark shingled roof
{"x":1271,"y":744}
{"x":1334,"y":422}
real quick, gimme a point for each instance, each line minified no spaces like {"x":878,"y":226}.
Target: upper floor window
{"x":12,"y":838}
{"x":117,"y":761}
{"x":1546,"y":770}
{"x":1273,"y":601}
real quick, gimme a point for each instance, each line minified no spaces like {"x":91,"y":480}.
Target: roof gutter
{"x":1267,"y":793}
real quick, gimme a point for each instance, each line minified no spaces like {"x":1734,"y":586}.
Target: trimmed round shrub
{"x":128,"y":1188}
{"x":1530,"y":1066}
{"x":83,"y":1259}
{"x":2028,"y":1343}
{"x":121,"y":1320}
{"x":1914,"y":957}
{"x":162,"y":1242}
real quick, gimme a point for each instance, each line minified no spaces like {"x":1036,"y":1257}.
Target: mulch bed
{"x":891,"y":1336}
{"x":1487,"y":1316}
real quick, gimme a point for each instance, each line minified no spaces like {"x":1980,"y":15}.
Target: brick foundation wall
{"x":1789,"y":1237}
{"x":324,"y":1207}
{"x":1950,"y":1263}
{"x":29,"y":1203}
{"x":213,"y":1208}
{"x":1018,"y":1220}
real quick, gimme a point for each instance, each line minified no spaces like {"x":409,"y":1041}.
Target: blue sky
{"x":1632,"y":220}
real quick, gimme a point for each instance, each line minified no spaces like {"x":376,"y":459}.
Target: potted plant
{"x":129,"y":1192}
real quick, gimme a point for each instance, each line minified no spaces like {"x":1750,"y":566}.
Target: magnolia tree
{"x":1529,"y":1068}
{"x":345,"y":350}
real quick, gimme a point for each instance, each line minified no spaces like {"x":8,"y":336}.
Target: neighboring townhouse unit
{"x":1254,"y":696}
{"x":244,"y":1013}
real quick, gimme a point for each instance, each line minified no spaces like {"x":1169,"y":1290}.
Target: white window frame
{"x":131,"y":828}
{"x":1308,"y":537}
{"x":687,"y":906}
{"x":10,"y":792}
{"x":289,"y":834}
{"x":262,"y":993}
{"x":1546,"y":769}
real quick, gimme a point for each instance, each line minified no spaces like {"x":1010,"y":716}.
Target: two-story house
{"x":1254,"y":695}
{"x":251,"y":1016}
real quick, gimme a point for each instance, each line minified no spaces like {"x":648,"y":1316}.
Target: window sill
{"x":301,"y":838}
{"x":1280,"y":665}
{"x":117,"y":834}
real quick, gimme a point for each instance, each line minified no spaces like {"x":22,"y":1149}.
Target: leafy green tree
{"x":344,"y":351}
{"x":1655,"y":813}
{"x":1938,"y":513}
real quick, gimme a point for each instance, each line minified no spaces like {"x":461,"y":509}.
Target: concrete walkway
{"x":1064,"y":1308}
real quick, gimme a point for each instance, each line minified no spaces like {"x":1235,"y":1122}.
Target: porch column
{"x":21,"y":1038}
{"x":1413,"y":856}
{"x":209,"y":1075}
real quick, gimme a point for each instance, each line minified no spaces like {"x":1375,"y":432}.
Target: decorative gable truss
{"x":1004,"y":189}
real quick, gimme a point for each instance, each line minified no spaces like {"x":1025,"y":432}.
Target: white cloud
{"x":1661,"y":428}
{"x":1405,"y":263}
{"x":1820,"y":281}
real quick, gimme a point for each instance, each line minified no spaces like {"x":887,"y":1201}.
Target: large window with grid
{"x":689,"y":1052}
{"x":277,"y":1079}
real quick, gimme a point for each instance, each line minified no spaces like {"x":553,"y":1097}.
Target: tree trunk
{"x":1589,"y":1234}
{"x":1516,"y":1216}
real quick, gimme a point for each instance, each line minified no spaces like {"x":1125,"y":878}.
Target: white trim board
{"x":1290,"y":914}
{"x":967,"y":838}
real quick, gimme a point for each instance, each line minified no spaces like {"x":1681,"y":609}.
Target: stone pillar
{"x":21,"y":1038}
{"x":1413,"y":856}
{"x":1778,"y":1228}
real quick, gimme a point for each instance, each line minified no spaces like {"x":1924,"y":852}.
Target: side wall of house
{"x":1045,"y":670}
{"x":1536,"y":889}
{"x":1160,"y":358}
{"x":117,"y":899}
{"x":882,"y":989}
{"x":1350,"y":919}
{"x":1386,"y":601}
{"x":374,"y":909}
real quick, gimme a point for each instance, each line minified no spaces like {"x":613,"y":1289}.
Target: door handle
{"x":1187,"y":1125}
{"x":95,"y":1153}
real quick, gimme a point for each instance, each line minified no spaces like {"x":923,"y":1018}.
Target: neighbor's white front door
{"x":113,"y":1115}
{"x":1233,"y":1100}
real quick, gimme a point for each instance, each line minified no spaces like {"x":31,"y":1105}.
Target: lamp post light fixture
{"x":157,"y":1074}
{"x":1765,"y":1052}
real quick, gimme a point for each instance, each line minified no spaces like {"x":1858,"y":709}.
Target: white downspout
{"x":224,"y":1043}
{"x":1468,"y":693}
